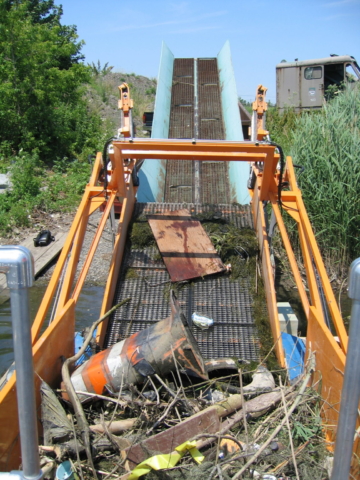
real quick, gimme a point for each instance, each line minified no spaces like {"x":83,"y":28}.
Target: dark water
{"x":87,"y":311}
{"x":293,"y":297}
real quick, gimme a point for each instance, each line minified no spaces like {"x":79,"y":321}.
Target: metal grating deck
{"x":229,"y":303}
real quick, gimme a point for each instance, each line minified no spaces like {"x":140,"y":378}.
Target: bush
{"x":37,"y":189}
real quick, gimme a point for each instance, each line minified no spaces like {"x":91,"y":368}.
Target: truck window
{"x":333,"y":74}
{"x":312,"y":73}
{"x":350,"y":73}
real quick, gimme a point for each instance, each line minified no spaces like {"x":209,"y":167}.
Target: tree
{"x":41,"y":78}
{"x":98,"y":69}
{"x":41,"y":11}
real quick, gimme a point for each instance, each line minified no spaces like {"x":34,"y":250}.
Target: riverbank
{"x":56,"y":223}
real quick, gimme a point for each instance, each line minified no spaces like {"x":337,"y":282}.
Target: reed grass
{"x":328,"y":146}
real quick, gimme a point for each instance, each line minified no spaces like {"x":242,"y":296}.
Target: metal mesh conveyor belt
{"x":180,"y":174}
{"x":228,"y":302}
{"x":210,"y":115}
{"x":214,"y":175}
{"x":213,"y":186}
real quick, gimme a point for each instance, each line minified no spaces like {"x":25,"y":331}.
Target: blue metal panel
{"x":294,"y":354}
{"x":79,"y":341}
{"x":238,"y":171}
{"x":152,"y":173}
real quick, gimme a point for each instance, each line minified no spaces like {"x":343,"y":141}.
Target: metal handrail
{"x":351,"y":387}
{"x":18,"y":265}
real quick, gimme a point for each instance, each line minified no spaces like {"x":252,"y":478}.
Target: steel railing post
{"x":351,"y":387}
{"x":18,"y":265}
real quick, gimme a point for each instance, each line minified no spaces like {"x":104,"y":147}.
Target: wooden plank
{"x":42,"y":257}
{"x":164,"y":442}
{"x":186,"y":249}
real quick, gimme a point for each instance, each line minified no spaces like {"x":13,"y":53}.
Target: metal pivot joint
{"x":18,"y":265}
{"x":351,"y":387}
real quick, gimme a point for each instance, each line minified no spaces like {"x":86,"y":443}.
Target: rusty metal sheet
{"x":186,"y":249}
{"x":206,"y":421}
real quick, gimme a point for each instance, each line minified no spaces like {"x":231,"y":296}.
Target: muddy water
{"x":87,"y":311}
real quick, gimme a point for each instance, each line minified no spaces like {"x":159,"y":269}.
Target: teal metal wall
{"x":152,"y":173}
{"x":238,"y":171}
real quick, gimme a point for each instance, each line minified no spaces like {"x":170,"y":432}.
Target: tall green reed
{"x":328,"y":146}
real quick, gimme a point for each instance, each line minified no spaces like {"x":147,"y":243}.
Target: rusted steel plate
{"x":206,"y":421}
{"x":186,"y":249}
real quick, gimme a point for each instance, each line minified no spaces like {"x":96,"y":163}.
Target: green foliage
{"x":281,"y":127}
{"x":34,"y":189}
{"x":16,"y":205}
{"x":333,"y":90}
{"x":98,"y":69}
{"x":40,"y":80}
{"x":25,"y":174}
{"x":64,"y":186}
{"x":328,"y":146}
{"x":41,"y":11}
{"x":151,"y":91}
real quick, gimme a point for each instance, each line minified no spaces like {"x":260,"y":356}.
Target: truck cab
{"x":305,"y":84}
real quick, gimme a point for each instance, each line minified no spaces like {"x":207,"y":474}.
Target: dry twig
{"x":65,"y":371}
{"x":279,"y":427}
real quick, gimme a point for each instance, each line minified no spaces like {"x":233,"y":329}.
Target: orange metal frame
{"x":58,"y":338}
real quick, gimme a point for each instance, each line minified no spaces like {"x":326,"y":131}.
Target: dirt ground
{"x":62,"y":221}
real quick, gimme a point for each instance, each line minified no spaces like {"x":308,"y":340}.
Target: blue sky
{"x":129,"y":35}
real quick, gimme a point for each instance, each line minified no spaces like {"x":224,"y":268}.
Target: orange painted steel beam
{"x":312,"y":245}
{"x":260,"y":227}
{"x":116,"y":259}
{"x":187,"y":145}
{"x":329,"y":294}
{"x":268,"y":183}
{"x":310,"y":272}
{"x":50,"y":291}
{"x":117,"y":181}
{"x":90,"y":199}
{"x":290,"y":175}
{"x":194,"y":155}
{"x":47,"y":354}
{"x":330,"y":367}
{"x":290,"y":205}
{"x":93,"y":247}
{"x":96,"y":170}
{"x":73,"y":260}
{"x":291,"y":256}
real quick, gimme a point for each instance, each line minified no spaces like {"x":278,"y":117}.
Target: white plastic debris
{"x":201,"y":321}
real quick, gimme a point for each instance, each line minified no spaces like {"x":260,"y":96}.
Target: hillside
{"x":103,"y":94}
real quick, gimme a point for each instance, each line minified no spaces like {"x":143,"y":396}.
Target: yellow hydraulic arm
{"x":125,"y":105}
{"x":259,"y":107}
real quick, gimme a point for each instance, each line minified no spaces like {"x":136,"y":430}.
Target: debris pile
{"x":168,"y":413}
{"x":150,"y":405}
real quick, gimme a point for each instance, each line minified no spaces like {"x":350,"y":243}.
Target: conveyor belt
{"x":212,"y":183}
{"x":228,"y":302}
{"x":195,"y":113}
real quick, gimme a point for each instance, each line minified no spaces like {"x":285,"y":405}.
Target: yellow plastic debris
{"x":162,"y":462}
